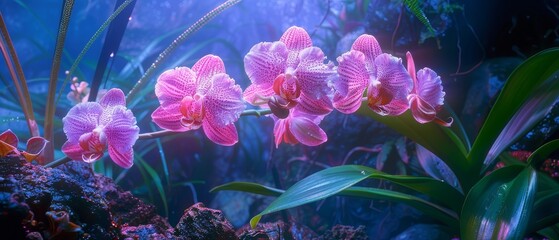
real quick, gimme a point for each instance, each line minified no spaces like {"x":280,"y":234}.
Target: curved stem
{"x":163,"y":133}
{"x":57,"y":162}
{"x":179,"y":40}
{"x":49,"y":109}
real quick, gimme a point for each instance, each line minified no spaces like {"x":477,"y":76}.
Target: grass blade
{"x":179,"y":40}
{"x":49,"y":112}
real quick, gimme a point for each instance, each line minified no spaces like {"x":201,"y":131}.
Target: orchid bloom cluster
{"x":290,"y":77}
{"x":91,"y":127}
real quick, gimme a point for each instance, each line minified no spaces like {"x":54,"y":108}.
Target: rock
{"x":13,"y":212}
{"x":423,"y":232}
{"x":93,"y":202}
{"x":145,"y":232}
{"x":341,"y":232}
{"x":277,"y":231}
{"x":199,"y":222}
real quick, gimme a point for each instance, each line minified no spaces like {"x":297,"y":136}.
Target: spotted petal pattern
{"x":289,"y":73}
{"x":206,"y":97}
{"x":91,"y":127}
{"x":387,"y":94}
{"x":427,"y":96}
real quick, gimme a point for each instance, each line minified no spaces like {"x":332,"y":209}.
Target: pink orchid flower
{"x":427,"y":96}
{"x":9,"y":141}
{"x":80,"y":92}
{"x":365,"y":66}
{"x":203,"y":96}
{"x":299,"y":127}
{"x":91,"y":127}
{"x":287,"y":73}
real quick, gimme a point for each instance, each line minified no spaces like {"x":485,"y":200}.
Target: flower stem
{"x":57,"y":162}
{"x":162,"y":133}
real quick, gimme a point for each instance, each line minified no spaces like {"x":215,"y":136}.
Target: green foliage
{"x":506,"y":204}
{"x":180,"y":39}
{"x":414,"y":7}
{"x":498,"y":207}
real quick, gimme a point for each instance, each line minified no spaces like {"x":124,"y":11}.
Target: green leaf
{"x":333,"y":180}
{"x":315,"y":187}
{"x":550,"y":232}
{"x":546,"y":209}
{"x":499,"y":206}
{"x":448,"y":217}
{"x":525,"y":80}
{"x":383,"y":154}
{"x":542,"y":153}
{"x":250,"y":188}
{"x":440,"y":141}
{"x":155,"y":179}
{"x":413,"y":5}
{"x":442,"y":214}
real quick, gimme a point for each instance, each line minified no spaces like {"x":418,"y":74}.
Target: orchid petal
{"x":279,"y":130}
{"x":35,"y":146}
{"x":312,"y":73}
{"x":411,"y":67}
{"x":422,"y":111}
{"x":9,"y":137}
{"x":369,"y":46}
{"x":296,"y":39}
{"x":170,"y":120}
{"x":256,"y":95}
{"x":226,"y":136}
{"x":114,"y":97}
{"x":429,"y":87}
{"x":80,"y":119}
{"x":122,"y":131}
{"x":314,"y":106}
{"x":390,"y":96}
{"x":223,"y":101}
{"x":353,"y":79}
{"x":172,"y":85}
{"x":72,"y":150}
{"x":122,"y":157}
{"x":306,"y":131}
{"x":205,"y":69}
{"x":264,"y":62}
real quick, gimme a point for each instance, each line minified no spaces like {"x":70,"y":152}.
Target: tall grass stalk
{"x":89,"y":44}
{"x":50,"y":107}
{"x":180,"y":39}
{"x":10,"y":56}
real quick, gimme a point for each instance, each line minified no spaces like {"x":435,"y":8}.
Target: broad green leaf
{"x":440,"y":141}
{"x":442,"y":214}
{"x":539,"y":103}
{"x":250,"y":188}
{"x":446,"y":216}
{"x":499,"y":206}
{"x":542,"y":153}
{"x":435,"y":167}
{"x":546,"y":210}
{"x":382,"y":156}
{"x":315,"y":187}
{"x":333,"y":180}
{"x":550,"y":232}
{"x":522,"y":83}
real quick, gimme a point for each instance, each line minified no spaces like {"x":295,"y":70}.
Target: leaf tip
{"x":254,"y":221}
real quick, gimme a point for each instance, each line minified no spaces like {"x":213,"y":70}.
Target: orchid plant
{"x":292,"y":82}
